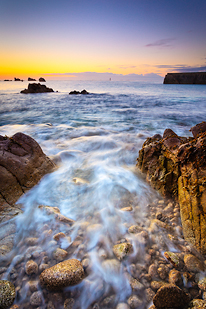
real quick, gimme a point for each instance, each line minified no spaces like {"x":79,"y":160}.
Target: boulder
{"x":67,"y":273}
{"x":7,"y":294}
{"x":42,"y":80}
{"x":22,"y":165}
{"x":37,"y":88}
{"x":176,"y":167}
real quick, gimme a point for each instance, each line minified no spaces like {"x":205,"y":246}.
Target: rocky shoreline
{"x":160,"y":266}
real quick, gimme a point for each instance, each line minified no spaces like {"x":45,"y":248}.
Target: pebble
{"x":68,"y":304}
{"x":122,"y":306}
{"x":31,"y":267}
{"x":36,"y":299}
{"x":134,"y":302}
{"x":122,"y":250}
{"x":60,"y":254}
{"x":175,"y":277}
{"x":202,"y":284}
{"x":193,"y":264}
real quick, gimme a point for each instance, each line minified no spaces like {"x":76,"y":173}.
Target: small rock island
{"x":37,"y":88}
{"x":198,"y":78}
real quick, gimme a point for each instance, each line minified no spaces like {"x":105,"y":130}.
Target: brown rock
{"x":198,"y":129}
{"x":176,"y":167}
{"x":31,"y":267}
{"x":22,"y":165}
{"x":170,"y":296}
{"x":7,"y":294}
{"x":193,"y":264}
{"x":67,"y":273}
{"x":122,"y":250}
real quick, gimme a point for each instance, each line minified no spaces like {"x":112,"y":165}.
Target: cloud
{"x":182,"y":68}
{"x":162,"y":43}
{"x":127,"y":67}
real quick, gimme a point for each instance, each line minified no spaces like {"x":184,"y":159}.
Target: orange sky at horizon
{"x":118,"y":37}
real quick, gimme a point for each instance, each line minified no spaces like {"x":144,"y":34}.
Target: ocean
{"x":95,"y":140}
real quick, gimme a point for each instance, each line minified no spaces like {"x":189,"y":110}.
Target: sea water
{"x":95,"y":140}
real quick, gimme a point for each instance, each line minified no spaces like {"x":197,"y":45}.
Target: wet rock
{"x":198,"y":129}
{"x":170,"y":296}
{"x":156,"y":285}
{"x":149,"y":294}
{"x":22,"y":165}
{"x":134,"y":302}
{"x":31,"y":267}
{"x":202,"y":284}
{"x":176,"y":167}
{"x":122,"y":250}
{"x":134,"y":229}
{"x":7,"y":294}
{"x":36,"y":299}
{"x":175,"y":277}
{"x":58,"y":236}
{"x":193,"y":264}
{"x":163,"y":271}
{"x":57,"y":215}
{"x":67,"y":273}
{"x":31,"y":241}
{"x":172,"y":258}
{"x":60,"y":254}
{"x":197,"y":304}
{"x":68,"y":304}
{"x":37,"y":88}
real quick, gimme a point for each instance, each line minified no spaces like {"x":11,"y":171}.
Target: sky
{"x":64,"y":39}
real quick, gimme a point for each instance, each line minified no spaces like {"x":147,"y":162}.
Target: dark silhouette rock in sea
{"x":41,"y":79}
{"x":79,"y":92}
{"x":31,"y":79}
{"x":176,"y":167}
{"x":22,"y":165}
{"x":185,"y":78}
{"x":18,"y":79}
{"x":37,"y":88}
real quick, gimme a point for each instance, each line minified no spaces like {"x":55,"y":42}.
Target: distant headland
{"x":185,"y":78}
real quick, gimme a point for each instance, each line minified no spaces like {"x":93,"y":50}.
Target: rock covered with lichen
{"x":7,"y":294}
{"x":176,"y":167}
{"x":67,"y":273}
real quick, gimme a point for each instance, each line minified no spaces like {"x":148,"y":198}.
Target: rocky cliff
{"x":176,"y":167}
{"x":185,"y":78}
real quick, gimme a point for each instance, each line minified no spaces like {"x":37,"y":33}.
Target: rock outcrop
{"x":176,"y":167}
{"x":79,"y":92}
{"x":185,"y":78}
{"x":22,"y":165}
{"x":37,"y":88}
{"x":31,"y":79}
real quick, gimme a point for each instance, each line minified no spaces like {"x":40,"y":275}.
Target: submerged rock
{"x":176,"y":167}
{"x":7,"y":294}
{"x":37,"y":88}
{"x":67,"y":273}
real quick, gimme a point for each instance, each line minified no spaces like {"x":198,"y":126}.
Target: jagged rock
{"x":67,"y":273}
{"x":37,"y":88}
{"x":78,"y":92}
{"x":176,"y":167}
{"x":22,"y":165}
{"x":7,"y":294}
{"x":185,"y":78}
{"x":170,"y":296}
{"x":41,"y":79}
